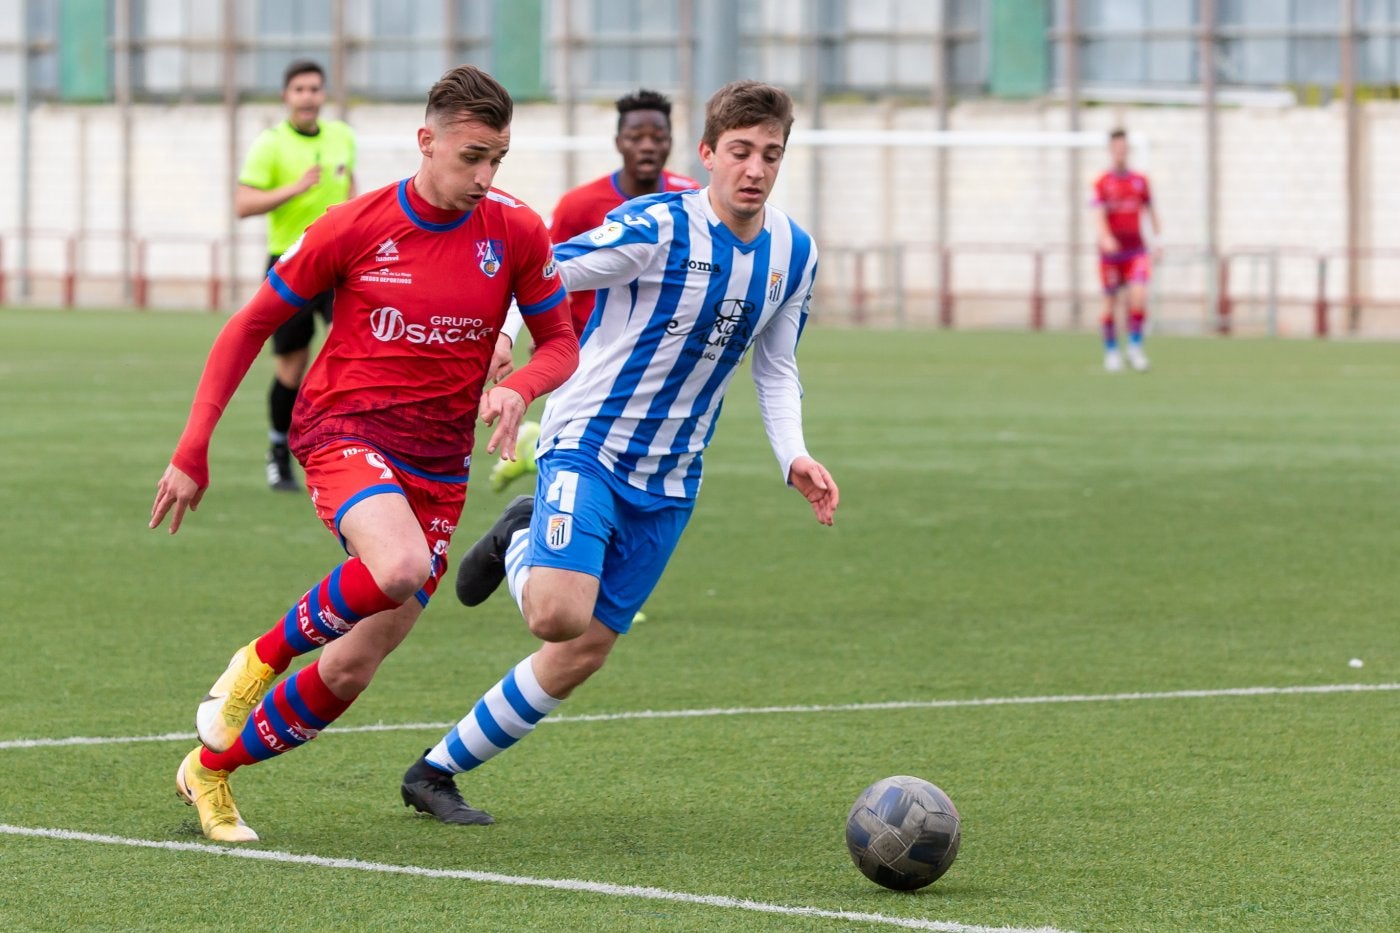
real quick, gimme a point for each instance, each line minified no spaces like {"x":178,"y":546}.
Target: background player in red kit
{"x":644,"y":142}
{"x":423,"y":273}
{"x":1120,"y":198}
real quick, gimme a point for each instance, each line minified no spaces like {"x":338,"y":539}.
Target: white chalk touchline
{"x":559,"y":884}
{"x":763,"y":710}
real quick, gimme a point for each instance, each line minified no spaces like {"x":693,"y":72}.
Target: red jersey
{"x":420,"y":295}
{"x":1123,"y":195}
{"x":585,"y":207}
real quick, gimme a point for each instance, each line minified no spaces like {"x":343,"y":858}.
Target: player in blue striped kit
{"x":688,"y":284}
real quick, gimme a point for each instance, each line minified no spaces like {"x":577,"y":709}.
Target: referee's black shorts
{"x":297,"y":332}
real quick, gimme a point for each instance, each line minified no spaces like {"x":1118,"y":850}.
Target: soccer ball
{"x":903,"y":833}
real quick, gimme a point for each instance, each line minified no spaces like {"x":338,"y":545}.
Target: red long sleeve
{"x":233,"y":353}
{"x":555,"y":357}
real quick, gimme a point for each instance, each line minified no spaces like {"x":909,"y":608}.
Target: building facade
{"x":943,"y":149}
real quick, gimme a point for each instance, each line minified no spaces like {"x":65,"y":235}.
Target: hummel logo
{"x":388,"y":252}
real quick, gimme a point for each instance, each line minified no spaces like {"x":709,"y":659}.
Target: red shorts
{"x":1120,"y":269}
{"x":342,"y":473}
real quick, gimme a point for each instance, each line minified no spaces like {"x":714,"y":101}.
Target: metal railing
{"x":1248,"y":288}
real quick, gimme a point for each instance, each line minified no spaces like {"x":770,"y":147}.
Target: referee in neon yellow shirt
{"x":294,"y":172}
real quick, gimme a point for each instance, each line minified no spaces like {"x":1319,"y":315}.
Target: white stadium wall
{"x":1281,"y":201}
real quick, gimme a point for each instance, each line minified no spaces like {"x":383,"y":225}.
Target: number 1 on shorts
{"x":561,"y":492}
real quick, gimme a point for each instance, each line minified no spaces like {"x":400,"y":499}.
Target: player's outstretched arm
{"x":502,"y":360}
{"x":1108,"y":243}
{"x":503,"y":408}
{"x":176,"y":490}
{"x":554,"y":360}
{"x":243,"y":335}
{"x":249,"y":201}
{"x":811,"y":479}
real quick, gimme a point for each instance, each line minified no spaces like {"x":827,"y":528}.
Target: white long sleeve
{"x":776,"y":378}
{"x":513,"y":322}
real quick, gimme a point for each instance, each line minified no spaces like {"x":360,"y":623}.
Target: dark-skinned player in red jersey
{"x":644,"y":141}
{"x":423,"y":273}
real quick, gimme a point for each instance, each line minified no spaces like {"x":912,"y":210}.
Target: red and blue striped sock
{"x":328,"y":610}
{"x":1110,"y":333}
{"x":1136,"y":318}
{"x":293,"y":714}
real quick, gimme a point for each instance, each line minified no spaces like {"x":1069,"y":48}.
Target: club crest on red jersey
{"x":489,"y":256}
{"x":388,"y":252}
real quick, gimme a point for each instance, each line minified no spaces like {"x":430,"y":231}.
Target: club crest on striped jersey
{"x":776,"y":278}
{"x":559,"y":531}
{"x":489,"y":256}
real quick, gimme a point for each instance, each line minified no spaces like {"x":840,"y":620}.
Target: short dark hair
{"x":468,"y":93}
{"x":1117,"y":133}
{"x":302,"y":66}
{"x":643,"y":99}
{"x":746,"y":103}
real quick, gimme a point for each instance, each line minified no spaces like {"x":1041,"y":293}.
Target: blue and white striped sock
{"x":518,"y":566}
{"x":506,"y":714}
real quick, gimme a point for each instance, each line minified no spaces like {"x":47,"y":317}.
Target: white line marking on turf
{"x":763,"y":710}
{"x":559,"y":884}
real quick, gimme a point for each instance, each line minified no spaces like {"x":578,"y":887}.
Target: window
{"x":284,"y":32}
{"x":43,"y":47}
{"x":398,"y":50}
{"x":1135,"y":42}
{"x":862,"y":46}
{"x":777,"y":39}
{"x":889,"y":45}
{"x":473,"y":40}
{"x":177,"y":45}
{"x":633,"y":42}
{"x":1260,"y":43}
{"x":1264,"y":42}
{"x":967,"y":60}
{"x":1378,"y":43}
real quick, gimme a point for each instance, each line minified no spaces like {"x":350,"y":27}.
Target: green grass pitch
{"x":1015,"y":523}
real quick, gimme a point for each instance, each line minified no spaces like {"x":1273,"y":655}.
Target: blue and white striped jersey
{"x":680,"y":303}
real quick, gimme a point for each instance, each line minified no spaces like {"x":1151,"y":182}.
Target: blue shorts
{"x":588,"y":520}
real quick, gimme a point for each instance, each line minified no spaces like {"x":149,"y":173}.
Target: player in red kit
{"x":1120,"y":199}
{"x":423,"y":272}
{"x":644,"y":141}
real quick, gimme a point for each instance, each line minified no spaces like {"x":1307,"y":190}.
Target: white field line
{"x":766,"y":710}
{"x":486,"y":877}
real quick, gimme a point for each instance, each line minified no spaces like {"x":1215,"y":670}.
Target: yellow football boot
{"x":226,"y":707}
{"x":207,"y":791}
